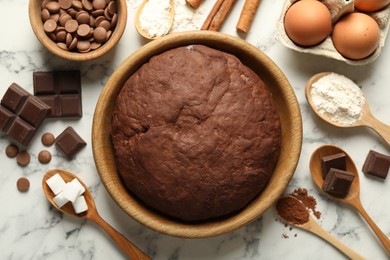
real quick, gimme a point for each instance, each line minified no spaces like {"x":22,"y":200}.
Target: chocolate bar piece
{"x":337,"y":161}
{"x":376,"y":164}
{"x":338,"y":182}
{"x":61,"y":90}
{"x":69,"y":142}
{"x":21,"y":114}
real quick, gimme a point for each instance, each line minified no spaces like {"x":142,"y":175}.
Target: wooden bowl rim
{"x":34,"y":11}
{"x":104,"y":158}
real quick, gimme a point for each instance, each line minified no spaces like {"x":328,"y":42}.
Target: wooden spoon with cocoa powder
{"x":295,"y":213}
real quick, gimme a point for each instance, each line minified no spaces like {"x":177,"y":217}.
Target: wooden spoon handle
{"x":381,"y":236}
{"x":382,"y":129}
{"x":128,"y":247}
{"x":319,"y":231}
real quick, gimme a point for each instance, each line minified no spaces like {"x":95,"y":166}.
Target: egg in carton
{"x":337,"y":9}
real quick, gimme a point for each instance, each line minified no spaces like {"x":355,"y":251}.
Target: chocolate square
{"x":69,"y":142}
{"x":6,"y":118}
{"x":337,"y":161}
{"x":51,"y":102}
{"x":33,"y":111}
{"x":70,"y":105}
{"x":61,"y":90}
{"x":46,"y":83}
{"x":14,"y":97}
{"x":338,"y":182}
{"x":21,"y":131}
{"x":376,"y":164}
{"x":21,"y":114}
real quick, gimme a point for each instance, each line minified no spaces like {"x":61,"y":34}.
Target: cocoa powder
{"x":292,"y":210}
{"x":309,"y":201}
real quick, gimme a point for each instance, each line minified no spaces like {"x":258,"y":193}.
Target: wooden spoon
{"x":128,"y":247}
{"x":353,"y":196}
{"x":137,"y":20}
{"x":367,"y":118}
{"x":312,"y":226}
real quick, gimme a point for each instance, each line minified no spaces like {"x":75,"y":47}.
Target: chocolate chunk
{"x":61,"y":90}
{"x":11,"y":151}
{"x":337,"y":161}
{"x":23,"y":158}
{"x":23,"y":184}
{"x":21,"y":114}
{"x":376,"y":164}
{"x":69,"y":142}
{"x":338,"y":182}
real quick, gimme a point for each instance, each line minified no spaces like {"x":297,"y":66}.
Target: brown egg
{"x":370,"y":5}
{"x":356,"y":36}
{"x":307,"y":22}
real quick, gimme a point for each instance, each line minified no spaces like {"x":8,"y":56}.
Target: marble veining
{"x":32,"y":229}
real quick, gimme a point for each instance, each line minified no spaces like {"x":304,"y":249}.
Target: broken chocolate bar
{"x":338,"y":182}
{"x":21,"y":114}
{"x":69,"y":142}
{"x":61,"y":90}
{"x":376,"y":164}
{"x":337,"y":161}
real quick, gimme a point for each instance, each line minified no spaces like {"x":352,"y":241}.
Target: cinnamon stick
{"x":218,"y":14}
{"x":194,"y":3}
{"x":247,"y":15}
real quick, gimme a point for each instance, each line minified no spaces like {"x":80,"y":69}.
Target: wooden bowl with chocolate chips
{"x":78,"y":29}
{"x":176,"y":157}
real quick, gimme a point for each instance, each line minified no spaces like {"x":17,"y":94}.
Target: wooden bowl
{"x":37,"y":26}
{"x":287,"y":107}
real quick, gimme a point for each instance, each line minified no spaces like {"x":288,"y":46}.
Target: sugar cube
{"x":73,"y":190}
{"x":80,"y":205}
{"x":56,"y":183}
{"x":60,"y":200}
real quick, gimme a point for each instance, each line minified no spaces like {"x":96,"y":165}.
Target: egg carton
{"x":337,"y":9}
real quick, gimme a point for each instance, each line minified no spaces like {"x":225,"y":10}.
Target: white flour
{"x":338,"y":98}
{"x":154,"y":19}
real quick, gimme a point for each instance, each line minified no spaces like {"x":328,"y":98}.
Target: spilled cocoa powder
{"x":297,"y":211}
{"x":309,"y":201}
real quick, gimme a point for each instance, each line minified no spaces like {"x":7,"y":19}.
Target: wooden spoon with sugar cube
{"x":91,"y":214}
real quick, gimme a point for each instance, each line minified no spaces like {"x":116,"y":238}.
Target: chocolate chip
{"x":45,"y":14}
{"x":65,"y":4}
{"x":23,"y":158}
{"x":50,"y":25}
{"x":84,"y":30}
{"x":11,"y":151}
{"x":44,"y":157}
{"x":48,"y":139}
{"x":53,"y":7}
{"x":23,"y":184}
{"x":71,"y":26}
{"x":99,"y":4}
{"x":100,"y":34}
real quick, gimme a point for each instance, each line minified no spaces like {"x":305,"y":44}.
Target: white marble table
{"x":31,"y":229}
